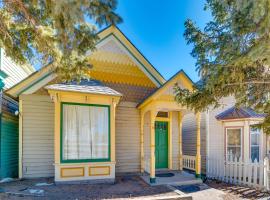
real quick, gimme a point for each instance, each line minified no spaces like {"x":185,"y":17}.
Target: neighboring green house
{"x":10,"y":74}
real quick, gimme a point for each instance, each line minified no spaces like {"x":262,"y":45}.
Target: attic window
{"x":162,"y":114}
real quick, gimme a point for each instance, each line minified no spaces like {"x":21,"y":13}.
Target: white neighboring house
{"x":226,"y":131}
{"x":13,"y":73}
{"x":10,"y":74}
{"x":231,"y":132}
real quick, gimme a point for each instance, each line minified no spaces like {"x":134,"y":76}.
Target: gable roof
{"x":188,"y":83}
{"x":238,"y":113}
{"x":46,"y":74}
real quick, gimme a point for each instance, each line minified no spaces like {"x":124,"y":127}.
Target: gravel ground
{"x":125,"y":187}
{"x":232,"y":192}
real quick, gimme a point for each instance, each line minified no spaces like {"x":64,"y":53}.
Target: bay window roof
{"x":84,"y":86}
{"x":238,"y":113}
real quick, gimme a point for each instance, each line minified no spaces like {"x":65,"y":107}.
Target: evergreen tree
{"x":232,"y":56}
{"x":55,"y":32}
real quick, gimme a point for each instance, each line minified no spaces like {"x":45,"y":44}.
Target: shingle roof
{"x":85,"y":86}
{"x":238,"y":113}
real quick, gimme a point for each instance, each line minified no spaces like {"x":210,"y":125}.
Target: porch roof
{"x":84,"y":86}
{"x":164,"y":95}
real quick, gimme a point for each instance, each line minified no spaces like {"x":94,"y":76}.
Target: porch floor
{"x":179,"y":178}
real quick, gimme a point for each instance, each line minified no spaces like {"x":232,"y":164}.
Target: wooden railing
{"x":189,"y":162}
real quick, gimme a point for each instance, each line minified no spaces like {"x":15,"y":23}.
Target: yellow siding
{"x":127,"y":138}
{"x":38,"y":131}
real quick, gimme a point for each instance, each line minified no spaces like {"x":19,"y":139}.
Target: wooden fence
{"x":235,"y":171}
{"x":189,"y":162}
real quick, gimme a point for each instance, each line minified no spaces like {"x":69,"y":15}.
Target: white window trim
{"x":241,"y":139}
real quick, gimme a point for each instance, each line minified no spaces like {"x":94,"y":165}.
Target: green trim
{"x":198,"y":175}
{"x":35,"y":82}
{"x":61,"y":135}
{"x":152,"y":180}
{"x":111,"y":34}
{"x":3,"y":74}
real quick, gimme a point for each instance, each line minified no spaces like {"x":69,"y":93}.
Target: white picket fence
{"x":189,"y":162}
{"x":235,"y":171}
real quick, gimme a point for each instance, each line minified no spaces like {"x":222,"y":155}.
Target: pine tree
{"x":232,"y":56}
{"x":54,"y":32}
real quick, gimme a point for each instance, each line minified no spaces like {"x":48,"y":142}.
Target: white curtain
{"x":85,"y":132}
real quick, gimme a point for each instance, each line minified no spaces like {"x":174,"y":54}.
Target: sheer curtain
{"x":85,"y":132}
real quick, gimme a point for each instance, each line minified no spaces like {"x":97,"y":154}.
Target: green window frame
{"x":61,"y":135}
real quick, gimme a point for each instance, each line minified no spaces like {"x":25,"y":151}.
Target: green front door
{"x":161,"y":153}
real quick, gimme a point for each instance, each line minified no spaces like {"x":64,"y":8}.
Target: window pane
{"x":255,"y":153}
{"x":254,"y":129}
{"x":255,"y":139}
{"x":85,"y":132}
{"x":234,"y":136}
{"x":234,"y":151}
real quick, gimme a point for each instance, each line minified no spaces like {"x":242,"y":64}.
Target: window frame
{"x":241,"y":139}
{"x":250,"y":144}
{"x":62,"y":160}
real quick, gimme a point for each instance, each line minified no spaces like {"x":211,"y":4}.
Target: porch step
{"x":179,"y":178}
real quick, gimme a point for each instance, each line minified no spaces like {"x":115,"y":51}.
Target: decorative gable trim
{"x":181,"y":75}
{"x":43,"y":76}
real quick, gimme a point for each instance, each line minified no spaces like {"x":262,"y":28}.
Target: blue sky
{"x":156,"y":28}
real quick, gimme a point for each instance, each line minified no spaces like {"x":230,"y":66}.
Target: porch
{"x":161,"y":133}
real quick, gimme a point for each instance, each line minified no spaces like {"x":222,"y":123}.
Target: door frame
{"x":168,"y":120}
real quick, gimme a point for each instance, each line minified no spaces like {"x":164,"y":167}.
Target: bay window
{"x":85,"y":134}
{"x":254,"y":144}
{"x":234,"y":143}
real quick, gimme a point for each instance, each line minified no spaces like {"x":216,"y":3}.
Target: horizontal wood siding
{"x":15,"y":72}
{"x":216,"y":131}
{"x":127,"y":138}
{"x":38,"y":136}
{"x":190,"y":135}
{"x":9,"y":139}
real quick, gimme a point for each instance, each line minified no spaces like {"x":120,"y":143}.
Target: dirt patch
{"x":125,"y":187}
{"x":236,"y":191}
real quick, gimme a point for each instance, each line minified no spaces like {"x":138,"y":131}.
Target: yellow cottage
{"x":123,"y":120}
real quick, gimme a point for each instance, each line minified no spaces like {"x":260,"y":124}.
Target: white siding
{"x":38,"y":136}
{"x":216,"y":132}
{"x":15,"y":72}
{"x":127,"y":138}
